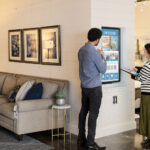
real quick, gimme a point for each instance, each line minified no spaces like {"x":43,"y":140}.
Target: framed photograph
{"x":50,"y":45}
{"x":31,"y":45}
{"x":139,"y":51}
{"x":15,"y":45}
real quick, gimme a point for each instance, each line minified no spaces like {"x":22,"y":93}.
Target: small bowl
{"x":60,"y":102}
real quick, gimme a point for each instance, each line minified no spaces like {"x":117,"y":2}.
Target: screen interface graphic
{"x":110,"y":44}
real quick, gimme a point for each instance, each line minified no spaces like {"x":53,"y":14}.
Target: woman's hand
{"x":135,"y":69}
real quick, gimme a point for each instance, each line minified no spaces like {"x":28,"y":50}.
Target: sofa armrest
{"x":32,"y":105}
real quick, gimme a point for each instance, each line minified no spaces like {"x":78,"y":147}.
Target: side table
{"x":64,"y":107}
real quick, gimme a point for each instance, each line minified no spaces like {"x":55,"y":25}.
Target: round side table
{"x":64,"y":107}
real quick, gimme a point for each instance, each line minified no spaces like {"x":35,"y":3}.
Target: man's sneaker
{"x":95,"y":147}
{"x":82,"y":142}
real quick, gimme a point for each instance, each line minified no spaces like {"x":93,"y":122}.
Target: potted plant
{"x":60,"y":98}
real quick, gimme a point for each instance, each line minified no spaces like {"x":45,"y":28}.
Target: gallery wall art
{"x":35,"y":45}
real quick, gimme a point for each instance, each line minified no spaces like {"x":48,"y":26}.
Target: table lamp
{"x":49,"y":44}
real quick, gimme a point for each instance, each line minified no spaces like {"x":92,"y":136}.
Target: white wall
{"x":142,"y":27}
{"x":75,"y":18}
{"x":142,"y":22}
{"x":119,"y":117}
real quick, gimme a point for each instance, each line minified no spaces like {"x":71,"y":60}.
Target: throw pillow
{"x":23,"y":90}
{"x":12,"y":94}
{"x":35,"y":92}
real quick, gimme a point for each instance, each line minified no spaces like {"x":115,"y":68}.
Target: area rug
{"x":9,"y":141}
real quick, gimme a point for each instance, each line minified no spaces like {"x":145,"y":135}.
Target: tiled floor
{"x":124,"y":141}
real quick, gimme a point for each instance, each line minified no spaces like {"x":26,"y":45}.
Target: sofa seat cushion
{"x":3,"y":99}
{"x":32,"y":105}
{"x":3,"y":96}
{"x":7,"y":110}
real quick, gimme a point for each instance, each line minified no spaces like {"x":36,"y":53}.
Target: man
{"x":91,"y":64}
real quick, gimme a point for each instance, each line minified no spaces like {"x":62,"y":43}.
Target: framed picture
{"x":139,"y":51}
{"x":50,"y":45}
{"x":15,"y":45}
{"x":31,"y":45}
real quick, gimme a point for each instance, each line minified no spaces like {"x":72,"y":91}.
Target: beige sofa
{"x":27,"y":116}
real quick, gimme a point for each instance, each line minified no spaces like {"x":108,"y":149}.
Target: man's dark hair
{"x":94,"y":34}
{"x":147,"y":47}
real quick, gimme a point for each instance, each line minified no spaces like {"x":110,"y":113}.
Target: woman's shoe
{"x":145,"y":142}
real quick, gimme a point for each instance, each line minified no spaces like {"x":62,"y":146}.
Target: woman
{"x":144,"y":77}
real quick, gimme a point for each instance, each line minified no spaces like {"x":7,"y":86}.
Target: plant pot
{"x":60,"y":101}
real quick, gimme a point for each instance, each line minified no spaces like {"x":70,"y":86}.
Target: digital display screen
{"x":110,"y":44}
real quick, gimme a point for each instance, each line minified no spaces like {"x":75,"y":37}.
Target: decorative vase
{"x":60,"y":101}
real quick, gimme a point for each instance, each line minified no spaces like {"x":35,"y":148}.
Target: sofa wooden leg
{"x":20,"y":137}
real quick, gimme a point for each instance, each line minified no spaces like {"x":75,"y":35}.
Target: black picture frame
{"x":15,"y":45}
{"x":31,"y":47}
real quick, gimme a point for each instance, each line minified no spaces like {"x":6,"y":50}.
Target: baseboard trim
{"x":118,"y":128}
{"x":110,"y":130}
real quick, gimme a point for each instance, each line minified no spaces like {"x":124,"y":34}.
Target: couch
{"x":28,"y":116}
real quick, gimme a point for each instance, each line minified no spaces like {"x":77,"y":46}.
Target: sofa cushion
{"x":22,"y":79}
{"x":3,"y":99}
{"x":3,"y":96}
{"x":35,"y":92}
{"x":7,"y":110}
{"x":40,"y":104}
{"x":49,"y":89}
{"x":23,"y":90}
{"x":9,"y":84}
{"x":2,"y":79}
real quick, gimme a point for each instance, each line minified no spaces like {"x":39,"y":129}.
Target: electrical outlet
{"x":115,"y":100}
